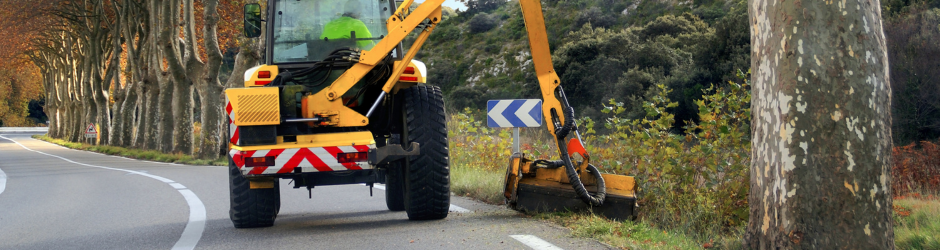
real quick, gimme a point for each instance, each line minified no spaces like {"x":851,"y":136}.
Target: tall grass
{"x":917,"y":222}
{"x":477,"y":154}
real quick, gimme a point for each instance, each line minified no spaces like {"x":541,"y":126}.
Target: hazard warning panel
{"x":91,"y":131}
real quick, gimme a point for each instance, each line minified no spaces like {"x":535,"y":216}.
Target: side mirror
{"x":252,"y":20}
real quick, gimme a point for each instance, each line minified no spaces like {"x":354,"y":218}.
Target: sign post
{"x":514,"y":114}
{"x":91,"y":131}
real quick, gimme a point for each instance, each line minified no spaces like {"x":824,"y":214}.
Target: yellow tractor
{"x":338,"y":100}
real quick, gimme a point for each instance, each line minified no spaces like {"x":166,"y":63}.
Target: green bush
{"x":482,"y":23}
{"x":695,"y":183}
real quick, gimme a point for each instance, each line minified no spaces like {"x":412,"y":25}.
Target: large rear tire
{"x":251,"y":207}
{"x":395,"y":187}
{"x":427,"y":175}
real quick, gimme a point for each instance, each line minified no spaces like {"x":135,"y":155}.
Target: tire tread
{"x":427,"y":174}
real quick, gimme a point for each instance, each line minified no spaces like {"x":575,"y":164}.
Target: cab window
{"x":308,"y":30}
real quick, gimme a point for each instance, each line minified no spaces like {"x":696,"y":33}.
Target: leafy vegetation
{"x":17,"y":87}
{"x":693,"y":187}
{"x":602,"y":50}
{"x":694,"y":184}
{"x":916,"y":169}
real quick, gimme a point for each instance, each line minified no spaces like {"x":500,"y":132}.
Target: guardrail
{"x":24,"y":129}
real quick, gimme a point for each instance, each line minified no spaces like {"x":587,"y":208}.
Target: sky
{"x":456,"y":5}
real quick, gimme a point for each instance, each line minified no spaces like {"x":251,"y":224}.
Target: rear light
{"x":410,"y":70}
{"x":352,"y":157}
{"x":264,"y":74}
{"x":259,"y":161}
{"x":262,"y":82}
{"x":409,"y":78}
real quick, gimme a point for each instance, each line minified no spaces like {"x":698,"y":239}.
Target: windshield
{"x":308,"y":30}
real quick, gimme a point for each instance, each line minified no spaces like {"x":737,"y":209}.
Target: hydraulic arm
{"x":376,"y":121}
{"x":538,"y":185}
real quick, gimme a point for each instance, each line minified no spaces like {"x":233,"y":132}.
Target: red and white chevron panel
{"x":232,"y":129}
{"x":308,"y":159}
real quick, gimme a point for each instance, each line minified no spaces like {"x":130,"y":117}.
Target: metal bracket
{"x":392,"y":152}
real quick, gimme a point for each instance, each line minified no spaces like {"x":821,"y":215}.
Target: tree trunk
{"x":183,"y":117}
{"x":75,"y":122}
{"x":821,"y":127}
{"x":102,"y":109}
{"x":151,"y":111}
{"x":126,"y":116}
{"x":209,"y":87}
{"x":164,"y":118}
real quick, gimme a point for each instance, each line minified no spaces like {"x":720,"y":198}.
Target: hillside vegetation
{"x":621,"y":49}
{"x":601,"y":50}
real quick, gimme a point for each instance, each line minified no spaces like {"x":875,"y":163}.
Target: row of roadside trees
{"x":147,"y":72}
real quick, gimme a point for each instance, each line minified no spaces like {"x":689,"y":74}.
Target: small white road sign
{"x":91,"y":131}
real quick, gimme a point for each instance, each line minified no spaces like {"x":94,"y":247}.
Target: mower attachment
{"x":544,"y":187}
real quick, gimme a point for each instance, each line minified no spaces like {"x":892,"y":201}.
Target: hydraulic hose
{"x":562,"y":132}
{"x":596,"y":199}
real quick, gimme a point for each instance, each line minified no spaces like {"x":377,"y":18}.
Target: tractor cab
{"x":305,"y":31}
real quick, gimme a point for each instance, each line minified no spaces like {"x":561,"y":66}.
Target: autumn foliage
{"x":916,"y":169}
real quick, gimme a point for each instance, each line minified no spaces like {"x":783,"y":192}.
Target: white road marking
{"x":453,"y":208}
{"x":197,"y":222}
{"x":197,"y":210}
{"x":177,"y":185}
{"x":535,"y":242}
{"x":3,"y":181}
{"x":458,"y":209}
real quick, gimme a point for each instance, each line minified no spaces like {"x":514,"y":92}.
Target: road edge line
{"x":3,"y":181}
{"x":196,"y":224}
{"x":534,"y":242}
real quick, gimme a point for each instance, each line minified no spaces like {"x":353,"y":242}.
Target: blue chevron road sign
{"x":514,"y":113}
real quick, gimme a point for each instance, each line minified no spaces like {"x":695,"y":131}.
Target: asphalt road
{"x":57,"y":198}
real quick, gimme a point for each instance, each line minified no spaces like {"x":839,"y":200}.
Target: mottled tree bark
{"x":164,"y":23}
{"x":821,"y":126}
{"x":151,"y":121}
{"x":164,"y":119}
{"x":208,"y":85}
{"x":154,"y":108}
{"x":75,"y":122}
{"x":182,"y":117}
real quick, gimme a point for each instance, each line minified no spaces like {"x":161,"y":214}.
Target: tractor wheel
{"x":427,"y":175}
{"x":251,"y":207}
{"x":395,"y":187}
